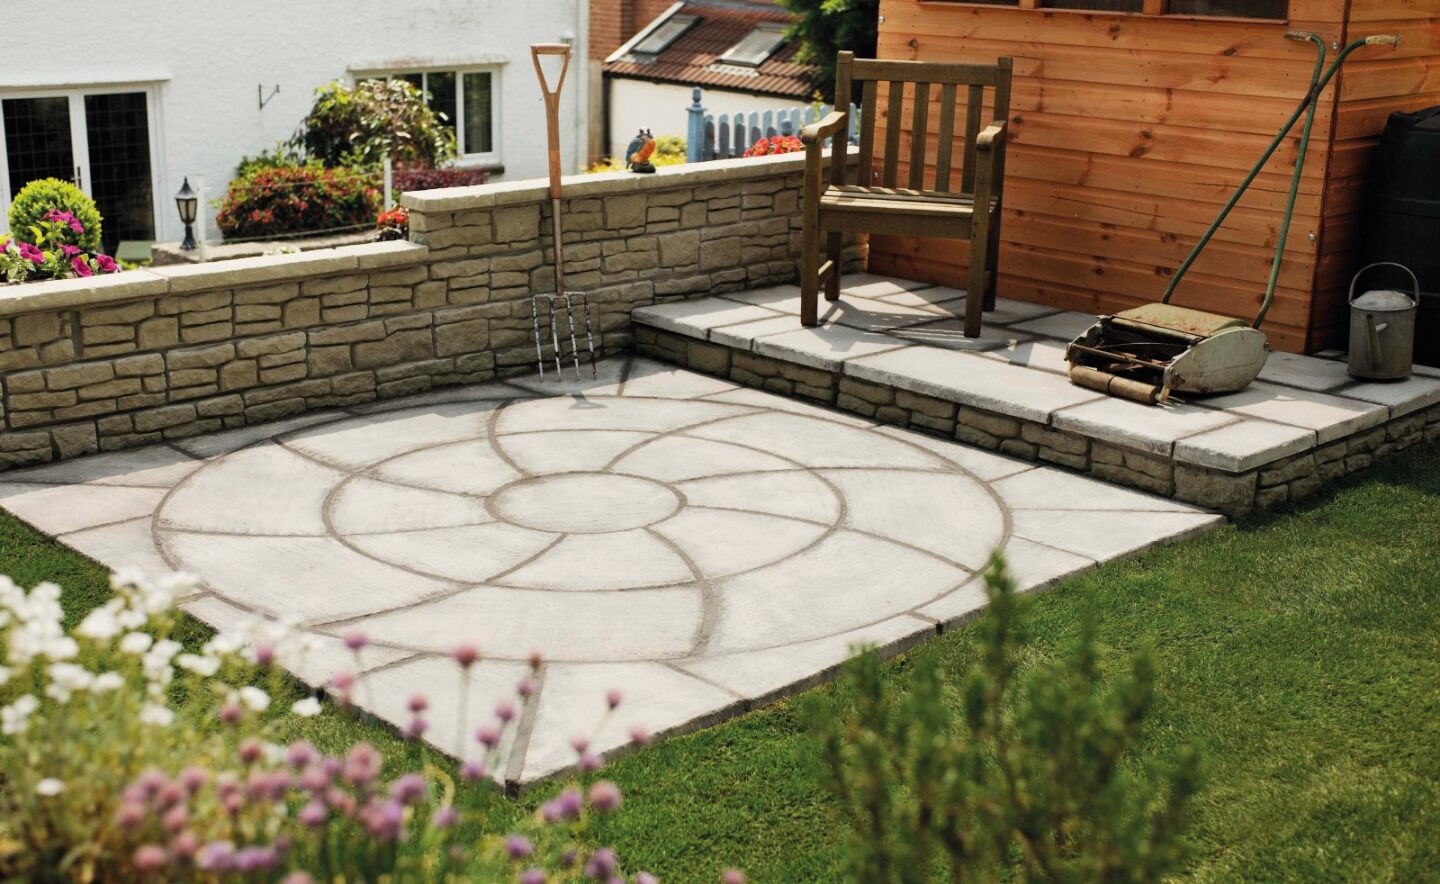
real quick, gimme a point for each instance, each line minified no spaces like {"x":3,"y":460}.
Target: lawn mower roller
{"x":1147,"y":353}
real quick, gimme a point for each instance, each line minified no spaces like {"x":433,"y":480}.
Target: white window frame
{"x":80,"y":142}
{"x":493,"y":158}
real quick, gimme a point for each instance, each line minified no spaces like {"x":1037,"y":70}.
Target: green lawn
{"x":1300,"y":652}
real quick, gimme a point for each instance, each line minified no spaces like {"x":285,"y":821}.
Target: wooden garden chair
{"x":877,"y":203}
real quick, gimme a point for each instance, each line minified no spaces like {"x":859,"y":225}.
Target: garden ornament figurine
{"x":637,"y":155}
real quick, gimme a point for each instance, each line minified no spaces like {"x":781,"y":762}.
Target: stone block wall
{"x":1235,"y":494}
{"x":143,"y":356}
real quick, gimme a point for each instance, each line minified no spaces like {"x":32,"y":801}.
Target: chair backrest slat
{"x":947,"y":137}
{"x":865,"y":175}
{"x":892,"y":130}
{"x":974,"y":107}
{"x":919,"y":132}
{"x":860,"y":81}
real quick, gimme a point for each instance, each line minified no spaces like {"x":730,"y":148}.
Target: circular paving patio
{"x":604,"y":529}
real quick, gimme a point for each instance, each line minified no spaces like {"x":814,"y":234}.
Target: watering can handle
{"x":1413,"y":278}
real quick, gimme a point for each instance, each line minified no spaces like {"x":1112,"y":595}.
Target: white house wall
{"x":206,"y":60}
{"x":662,"y":108}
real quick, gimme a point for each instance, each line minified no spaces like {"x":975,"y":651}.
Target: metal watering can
{"x":1382,"y":328}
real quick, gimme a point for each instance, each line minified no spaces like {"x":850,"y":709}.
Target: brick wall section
{"x":149,"y":355}
{"x":1235,"y":494}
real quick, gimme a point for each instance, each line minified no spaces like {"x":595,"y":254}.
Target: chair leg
{"x":992,"y":260}
{"x":834,"y":245}
{"x":810,"y":273}
{"x":975,"y":292}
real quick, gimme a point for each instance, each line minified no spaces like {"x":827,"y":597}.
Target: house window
{"x":1097,"y":5}
{"x":660,"y":39}
{"x":756,"y":46}
{"x":466,"y":99}
{"x":1229,"y":8}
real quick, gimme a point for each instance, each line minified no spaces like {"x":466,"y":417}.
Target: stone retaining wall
{"x":143,"y":356}
{"x":1235,"y":494}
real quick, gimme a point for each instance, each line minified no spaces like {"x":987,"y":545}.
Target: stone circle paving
{"x":701,"y":547}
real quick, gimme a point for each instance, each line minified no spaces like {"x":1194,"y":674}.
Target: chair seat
{"x":898,"y":210}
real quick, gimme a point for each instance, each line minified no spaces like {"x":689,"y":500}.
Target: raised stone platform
{"x":894,"y":350}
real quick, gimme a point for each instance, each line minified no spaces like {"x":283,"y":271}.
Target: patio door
{"x":98,"y":140}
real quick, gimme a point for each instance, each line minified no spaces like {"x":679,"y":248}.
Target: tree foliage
{"x":824,"y":27}
{"x":1025,"y":778}
{"x":44,"y":195}
{"x":361,"y":125}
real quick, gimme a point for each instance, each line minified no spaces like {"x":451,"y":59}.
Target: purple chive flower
{"x":251,"y":750}
{"x":331,"y":766}
{"x":465,"y":655}
{"x":255,"y":859}
{"x":605,"y":796}
{"x":297,"y":878}
{"x":170,"y":794}
{"x":732,"y":876}
{"x":355,"y":640}
{"x":472,"y":771}
{"x":415,"y":728}
{"x":532,"y":876}
{"x":150,"y":858}
{"x":646,"y":878}
{"x":184,"y":845}
{"x":519,"y":847}
{"x":487,"y":736}
{"x":300,"y":754}
{"x":313,"y":780}
{"x":601,"y":864}
{"x":418,"y":703}
{"x":264,"y":653}
{"x":446,"y":817}
{"x":408,"y":789}
{"x":570,"y":803}
{"x":175,"y":819}
{"x":130,"y":816}
{"x":343,"y":682}
{"x":590,"y":762}
{"x":150,"y":781}
{"x":579,"y":744}
{"x":362,"y":765}
{"x":231,"y":713}
{"x":550,"y":811}
{"x":639,"y":736}
{"x":313,"y":815}
{"x":193,"y":779}
{"x":612,"y":698}
{"x":567,"y":859}
{"x":217,"y":856}
{"x":536,"y":659}
{"x":526,"y":687}
{"x":505,"y":710}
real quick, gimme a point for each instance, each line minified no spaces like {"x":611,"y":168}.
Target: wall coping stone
{"x":535,"y":190}
{"x":63,"y":294}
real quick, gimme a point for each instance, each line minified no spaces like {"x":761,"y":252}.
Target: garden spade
{"x":560,"y":302}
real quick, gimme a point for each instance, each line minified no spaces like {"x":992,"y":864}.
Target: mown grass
{"x":1299,"y":652}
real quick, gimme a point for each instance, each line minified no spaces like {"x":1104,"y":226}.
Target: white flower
{"x":107,"y":681}
{"x":256,"y":699}
{"x":306,"y":708}
{"x":136,"y":643}
{"x":131,"y":619}
{"x":4,"y":674}
{"x":63,"y":648}
{"x":66,"y":679}
{"x":15,"y":718}
{"x":206,"y":666}
{"x":155,"y":714}
{"x":99,"y":624}
{"x":172,"y":587}
{"x":49,"y":787}
{"x":166,"y":648}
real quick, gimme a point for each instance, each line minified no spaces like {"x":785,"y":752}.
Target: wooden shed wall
{"x":1373,"y":86}
{"x":1127,"y":135}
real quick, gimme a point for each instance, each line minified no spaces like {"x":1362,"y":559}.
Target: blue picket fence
{"x":709,"y":138}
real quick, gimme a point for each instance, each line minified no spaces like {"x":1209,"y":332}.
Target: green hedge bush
{"x":44,"y":194}
{"x":361,"y":125}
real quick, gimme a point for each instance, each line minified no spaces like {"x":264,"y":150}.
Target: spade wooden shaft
{"x":552,"y":135}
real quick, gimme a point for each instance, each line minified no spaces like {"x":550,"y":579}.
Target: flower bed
{"x":52,"y":253}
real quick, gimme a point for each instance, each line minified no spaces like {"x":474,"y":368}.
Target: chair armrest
{"x":992,"y":136}
{"x":816,"y":132}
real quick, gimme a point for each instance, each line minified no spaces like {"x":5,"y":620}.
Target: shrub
{"x":51,"y":254}
{"x":105,"y":780}
{"x":44,"y":195}
{"x":360,"y":125}
{"x":291,"y":199}
{"x":408,"y":178}
{"x":1030,"y":781}
{"x":775,"y":144}
{"x":283,"y":154}
{"x":824,"y":27}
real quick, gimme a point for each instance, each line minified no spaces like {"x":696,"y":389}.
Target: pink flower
{"x":612,"y":698}
{"x":418,"y":703}
{"x":355,"y":640}
{"x":446,"y":817}
{"x":472,"y":771}
{"x":150,"y":858}
{"x":639,"y":736}
{"x":487,"y":736}
{"x":69,"y":250}
{"x":81,"y":266}
{"x":31,"y":253}
{"x":605,"y":796}
{"x":77,"y":226}
{"x":519,"y":847}
{"x":466,"y":655}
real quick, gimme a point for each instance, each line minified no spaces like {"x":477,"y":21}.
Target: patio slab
{"x":701,"y":547}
